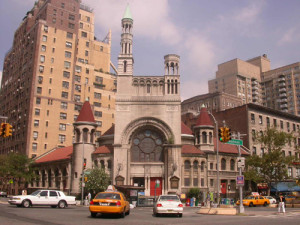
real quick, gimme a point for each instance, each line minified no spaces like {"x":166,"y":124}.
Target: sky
{"x":204,"y":33}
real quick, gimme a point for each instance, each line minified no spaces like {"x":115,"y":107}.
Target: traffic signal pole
{"x":241,"y":208}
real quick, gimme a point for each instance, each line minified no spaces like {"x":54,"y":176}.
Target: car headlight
{"x":16,"y":198}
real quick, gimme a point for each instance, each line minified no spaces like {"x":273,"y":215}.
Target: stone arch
{"x":142,"y":123}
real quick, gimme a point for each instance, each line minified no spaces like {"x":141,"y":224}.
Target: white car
{"x":43,"y":198}
{"x":271,"y":199}
{"x":168,"y":204}
{"x":3,"y":194}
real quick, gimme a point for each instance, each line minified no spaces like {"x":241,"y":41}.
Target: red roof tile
{"x":185,"y":129}
{"x":56,"y":155}
{"x":204,"y":118}
{"x":110,"y":131}
{"x":191,"y":149}
{"x":227,"y":148}
{"x":86,"y":113}
{"x":104,"y":149}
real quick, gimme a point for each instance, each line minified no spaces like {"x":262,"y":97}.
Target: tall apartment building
{"x":254,"y":82}
{"x":54,"y":65}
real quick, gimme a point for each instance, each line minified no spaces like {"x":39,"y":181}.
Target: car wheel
{"x":123,"y":214}
{"x":180,"y":215}
{"x":128,"y":212}
{"x":53,"y":206}
{"x":26,"y":203}
{"x":157,"y":215}
{"x":19,"y":205}
{"x":251,"y":204}
{"x":62,"y":204}
{"x":93,"y":215}
{"x":265,"y":204}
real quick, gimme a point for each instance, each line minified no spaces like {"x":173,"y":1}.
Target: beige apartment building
{"x":253,"y":81}
{"x":54,"y":65}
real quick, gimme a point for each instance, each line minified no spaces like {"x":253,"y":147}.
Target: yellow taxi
{"x":109,"y":202}
{"x":254,"y":200}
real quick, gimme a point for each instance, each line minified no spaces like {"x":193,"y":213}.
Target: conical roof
{"x":86,"y":113}
{"x":127,"y":14}
{"x":204,"y":118}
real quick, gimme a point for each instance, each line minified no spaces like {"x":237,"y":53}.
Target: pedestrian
{"x":89,"y":197}
{"x":281,"y":202}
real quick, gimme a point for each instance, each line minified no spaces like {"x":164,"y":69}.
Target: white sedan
{"x":168,"y":204}
{"x":43,"y":198}
{"x":271,"y":199}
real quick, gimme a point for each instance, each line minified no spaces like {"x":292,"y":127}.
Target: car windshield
{"x":249,"y":197}
{"x":108,"y":196}
{"x":35,"y":193}
{"x":169,"y":198}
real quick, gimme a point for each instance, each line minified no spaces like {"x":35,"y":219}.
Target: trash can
{"x":227,"y":201}
{"x":188,"y":201}
{"x":192,"y":202}
{"x":223,"y":201}
{"x":197,"y":202}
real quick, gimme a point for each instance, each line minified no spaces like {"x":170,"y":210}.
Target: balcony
{"x":282,"y":84}
{"x":283,"y":95}
{"x":284,"y":106}
{"x":282,"y":90}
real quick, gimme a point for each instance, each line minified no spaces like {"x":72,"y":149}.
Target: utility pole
{"x":241,"y":208}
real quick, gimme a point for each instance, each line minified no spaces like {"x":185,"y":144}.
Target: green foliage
{"x":272,"y":166}
{"x":97,"y":180}
{"x":193,"y":192}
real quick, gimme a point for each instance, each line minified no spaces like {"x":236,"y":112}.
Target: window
{"x":46,"y":28}
{"x":37,"y":112}
{"x":66,"y":74}
{"x":86,"y":80}
{"x":64,"y":94}
{"x":71,"y":17}
{"x":63,"y":116}
{"x":83,"y":34}
{"x":252,"y":118}
{"x":38,"y":101}
{"x":211,"y":182}
{"x":98,"y":113}
{"x":68,"y":54}
{"x":64,"y":105}
{"x":97,"y":95}
{"x":36,"y":123}
{"x":211,"y":166}
{"x":281,"y":124}
{"x":254,"y":150}
{"x":99,"y":123}
{"x":77,"y":98}
{"x":260,"y":120}
{"x":67,"y":65}
{"x":78,"y":69}
{"x":77,"y":107}
{"x":39,"y":90}
{"x":262,"y":152}
{"x":63,"y":5}
{"x":77,"y":78}
{"x":268,"y":122}
{"x":81,"y":25}
{"x":97,"y":104}
{"x":70,"y":35}
{"x":65,"y":84}
{"x":232,"y":164}
{"x":69,"y":44}
{"x":290,"y":172}
{"x":80,"y":60}
{"x":35,"y":135}
{"x":71,"y":25}
{"x":99,"y":79}
{"x":87,"y":44}
{"x":43,"y":48}
{"x":62,"y":126}
{"x":86,"y":53}
{"x":41,"y":69}
{"x":78,"y":87}
{"x":34,"y":147}
{"x":42,"y":58}
{"x":101,"y":48}
{"x":52,"y":60}
{"x":44,"y":38}
{"x":202,"y":182}
{"x":223,"y":164}
{"x":87,"y":71}
{"x":53,"y":50}
{"x":275,"y":123}
{"x":61,"y":138}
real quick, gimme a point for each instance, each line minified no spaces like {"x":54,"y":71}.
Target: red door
{"x":223,"y":188}
{"x":152,"y":186}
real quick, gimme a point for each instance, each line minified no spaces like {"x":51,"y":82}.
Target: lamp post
{"x":241,"y":208}
{"x":217,"y":139}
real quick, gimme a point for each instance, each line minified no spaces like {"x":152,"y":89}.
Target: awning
{"x":284,"y":186}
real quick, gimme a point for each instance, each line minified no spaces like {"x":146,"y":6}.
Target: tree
{"x":15,"y":171}
{"x":194,"y":192}
{"x":97,"y":180}
{"x":272,"y":165}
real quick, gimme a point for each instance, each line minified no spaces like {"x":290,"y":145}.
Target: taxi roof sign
{"x":111,"y":188}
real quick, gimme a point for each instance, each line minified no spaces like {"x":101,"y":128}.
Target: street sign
{"x":157,"y":182}
{"x":87,"y":172}
{"x":241,"y":162}
{"x":240,"y":180}
{"x":235,"y":142}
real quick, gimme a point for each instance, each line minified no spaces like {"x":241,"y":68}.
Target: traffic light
{"x":227,"y":134}
{"x":8,"y":130}
{"x":3,"y":129}
{"x":221,"y":134}
{"x":85,"y":179}
{"x":84,"y":165}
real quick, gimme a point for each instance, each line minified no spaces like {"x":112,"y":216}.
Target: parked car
{"x":254,"y":200}
{"x":51,"y":198}
{"x":271,"y":199}
{"x":168,"y":204}
{"x":3,"y":194}
{"x":109,"y":202}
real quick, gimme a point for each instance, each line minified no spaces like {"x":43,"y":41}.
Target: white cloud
{"x":289,"y":36}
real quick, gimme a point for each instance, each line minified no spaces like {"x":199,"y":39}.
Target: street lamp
{"x":217,"y":139}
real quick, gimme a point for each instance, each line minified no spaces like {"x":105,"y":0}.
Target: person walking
{"x":281,"y":203}
{"x":89,"y":197}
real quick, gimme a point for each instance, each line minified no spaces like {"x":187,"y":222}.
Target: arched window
{"x":96,"y":163}
{"x":85,"y":135}
{"x":148,"y":88}
{"x":77,"y":135}
{"x":92,"y":136}
{"x":125,"y":66}
{"x":202,"y":166}
{"x":204,"y":137}
{"x":187,"y":173}
{"x":223,"y":164}
{"x":195,"y":173}
{"x":198,"y":137}
{"x":232,"y":164}
{"x":147,"y":146}
{"x":210,"y":137}
{"x":195,"y":165}
{"x":109,"y":164}
{"x":172,"y":86}
{"x":102,"y":164}
{"x":169,"y":86}
{"x":176,"y":87}
{"x":49,"y":178}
